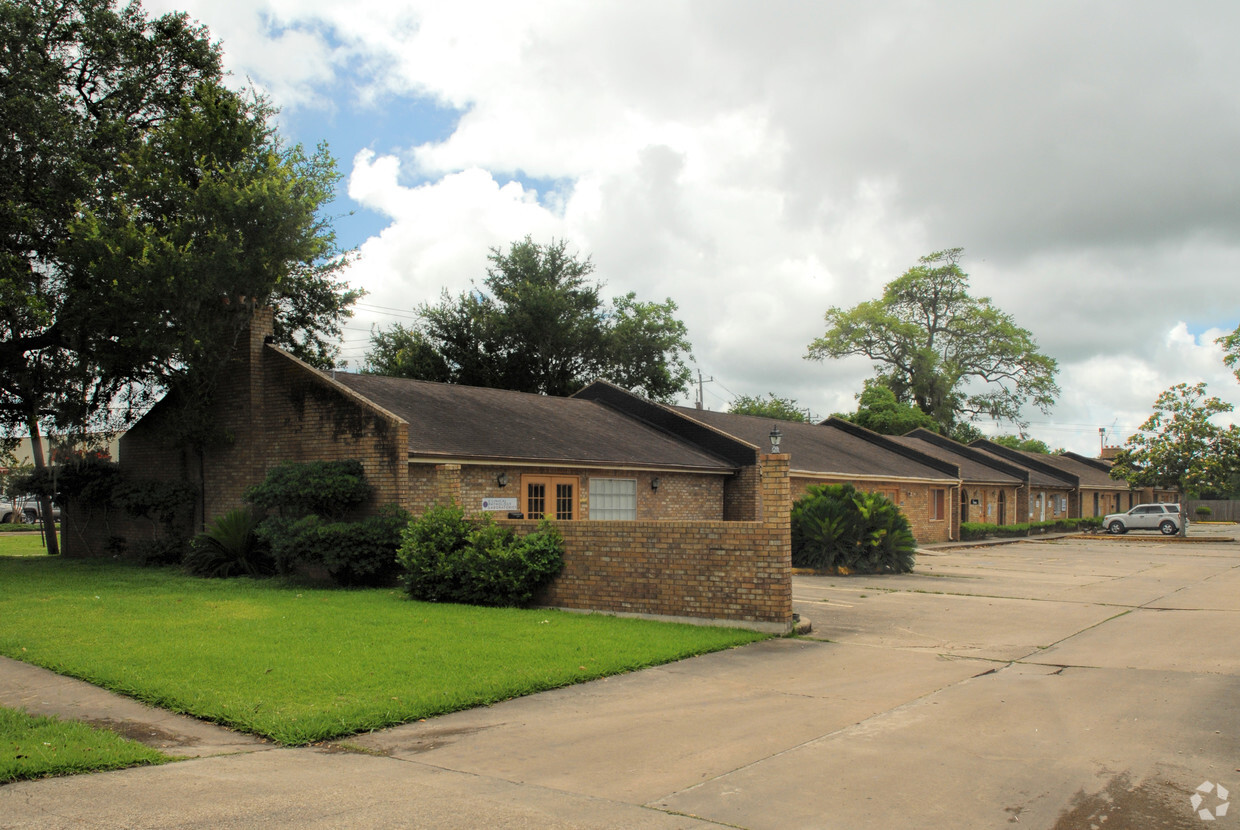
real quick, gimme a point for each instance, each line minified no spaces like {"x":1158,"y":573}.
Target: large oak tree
{"x":145,"y":209}
{"x":955,"y":356}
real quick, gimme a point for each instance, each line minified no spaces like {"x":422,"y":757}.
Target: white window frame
{"x":603,"y":506}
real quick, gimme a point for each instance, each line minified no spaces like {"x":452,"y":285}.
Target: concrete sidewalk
{"x":1051,"y":683}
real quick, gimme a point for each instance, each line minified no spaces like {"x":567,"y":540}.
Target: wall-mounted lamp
{"x":654,"y":483}
{"x":776,"y":437}
{"x":502,"y":479}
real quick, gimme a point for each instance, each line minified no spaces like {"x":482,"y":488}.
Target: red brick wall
{"x":741,"y":496}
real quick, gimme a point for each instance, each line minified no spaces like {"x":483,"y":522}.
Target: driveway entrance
{"x":1050,"y":684}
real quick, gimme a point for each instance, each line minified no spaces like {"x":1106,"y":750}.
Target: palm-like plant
{"x":837,"y":527}
{"x":230,"y":547}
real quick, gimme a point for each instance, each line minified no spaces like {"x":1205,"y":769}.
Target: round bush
{"x":449,"y":557}
{"x":353,"y":553}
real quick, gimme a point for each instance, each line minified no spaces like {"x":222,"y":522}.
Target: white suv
{"x":1164,"y":517}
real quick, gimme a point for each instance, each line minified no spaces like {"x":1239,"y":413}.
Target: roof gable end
{"x":667,"y":420}
{"x":1025,"y":459}
{"x":968,"y":452}
{"x":883,"y":441}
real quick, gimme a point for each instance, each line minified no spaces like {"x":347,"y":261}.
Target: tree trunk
{"x":45,"y":501}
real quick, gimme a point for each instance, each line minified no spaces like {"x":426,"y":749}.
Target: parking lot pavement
{"x":1063,"y":684}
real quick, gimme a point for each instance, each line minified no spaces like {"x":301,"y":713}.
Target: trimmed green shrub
{"x":309,"y":503}
{"x":449,"y":557}
{"x":1202,"y":511}
{"x":230,"y":547}
{"x":332,"y":489}
{"x":970,"y":531}
{"x":837,"y":527}
{"x":352,"y":553}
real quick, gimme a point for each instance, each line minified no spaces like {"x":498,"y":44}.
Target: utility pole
{"x":699,"y":386}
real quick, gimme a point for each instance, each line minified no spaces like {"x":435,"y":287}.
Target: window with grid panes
{"x":613,"y":498}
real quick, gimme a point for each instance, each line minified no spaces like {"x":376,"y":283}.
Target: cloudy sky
{"x":759,"y":163}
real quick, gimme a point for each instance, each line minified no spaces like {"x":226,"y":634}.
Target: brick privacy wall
{"x":913,"y":499}
{"x":741,"y":495}
{"x":707,"y":569}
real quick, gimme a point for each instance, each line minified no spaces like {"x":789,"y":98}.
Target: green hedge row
{"x":970,"y":531}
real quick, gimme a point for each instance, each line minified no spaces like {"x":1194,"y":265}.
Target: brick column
{"x":776,"y":491}
{"x":774,"y":572}
{"x":448,"y":484}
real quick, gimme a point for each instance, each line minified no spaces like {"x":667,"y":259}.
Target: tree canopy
{"x":1231,"y":350}
{"x":1179,"y":446}
{"x":1019,"y":442}
{"x":954,"y":356}
{"x":879,"y":411}
{"x":538,"y":324}
{"x":145,"y":209}
{"x":772,"y":406}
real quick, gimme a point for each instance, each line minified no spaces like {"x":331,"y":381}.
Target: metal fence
{"x":1220,"y":510}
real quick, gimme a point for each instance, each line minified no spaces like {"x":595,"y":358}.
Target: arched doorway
{"x":964,"y":505}
{"x":1002,"y":508}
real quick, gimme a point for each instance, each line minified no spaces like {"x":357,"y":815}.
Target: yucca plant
{"x":230,"y":547}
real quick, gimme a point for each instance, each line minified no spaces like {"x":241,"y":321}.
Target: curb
{"x":1146,"y":537}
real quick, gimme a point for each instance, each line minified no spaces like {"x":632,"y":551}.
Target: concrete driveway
{"x":1051,"y":684}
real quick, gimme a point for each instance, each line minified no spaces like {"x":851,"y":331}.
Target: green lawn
{"x":38,"y":747}
{"x":303,"y":664}
{"x":21,"y":544}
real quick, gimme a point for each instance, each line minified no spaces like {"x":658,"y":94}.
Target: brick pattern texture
{"x":1107,"y":501}
{"x":1046,"y":504}
{"x":679,"y":496}
{"x":995,"y":505}
{"x":708,"y":569}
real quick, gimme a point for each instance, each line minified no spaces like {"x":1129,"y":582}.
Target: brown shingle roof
{"x":471,"y":423}
{"x":1041,"y":474}
{"x":1089,"y":475}
{"x":975,"y":467}
{"x":829,"y":448}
